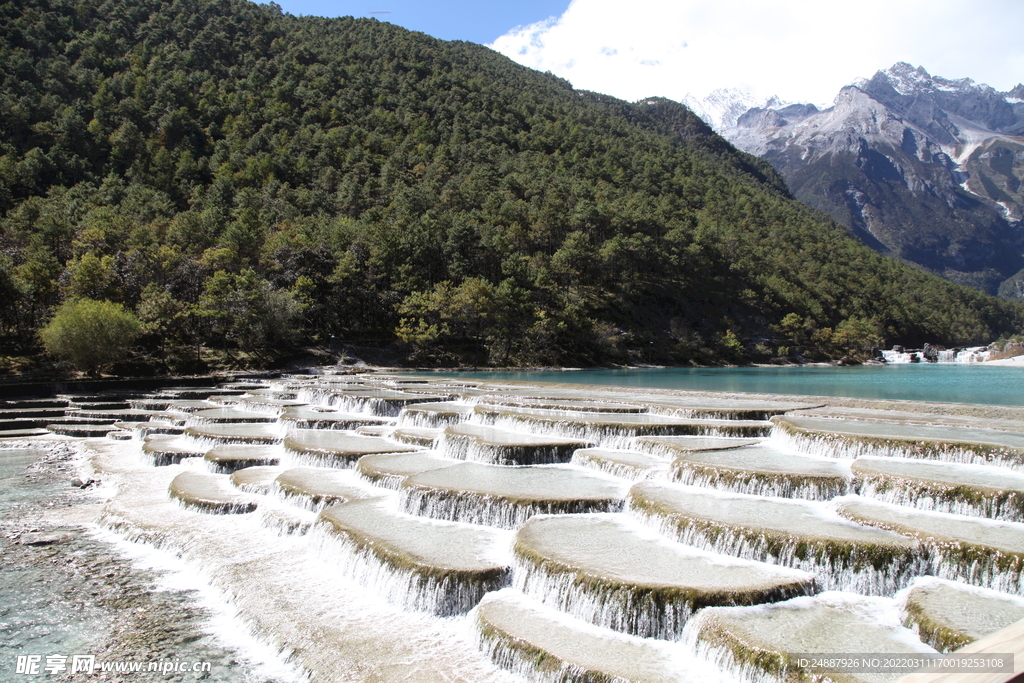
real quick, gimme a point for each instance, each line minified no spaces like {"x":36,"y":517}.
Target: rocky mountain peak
{"x":922,"y":167}
{"x":919,"y":96}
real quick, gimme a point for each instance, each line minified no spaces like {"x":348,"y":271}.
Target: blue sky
{"x":478,"y":21}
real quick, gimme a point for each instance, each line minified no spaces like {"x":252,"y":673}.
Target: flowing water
{"x":83,"y":591}
{"x":494,"y":551}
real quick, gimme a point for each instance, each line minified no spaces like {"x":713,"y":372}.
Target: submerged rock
{"x":44,"y":538}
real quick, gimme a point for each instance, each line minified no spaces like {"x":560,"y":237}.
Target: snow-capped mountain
{"x":928,"y":169}
{"x":724,"y":106}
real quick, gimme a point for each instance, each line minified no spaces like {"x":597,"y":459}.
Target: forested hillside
{"x":254,"y":182}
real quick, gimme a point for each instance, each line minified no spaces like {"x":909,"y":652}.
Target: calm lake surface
{"x":945,"y":382}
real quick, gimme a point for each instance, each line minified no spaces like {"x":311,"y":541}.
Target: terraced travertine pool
{"x":375,"y":527}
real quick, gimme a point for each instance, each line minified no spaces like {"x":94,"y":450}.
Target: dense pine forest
{"x":236,"y":184}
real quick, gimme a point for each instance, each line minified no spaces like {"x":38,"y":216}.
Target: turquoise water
{"x":945,"y":382}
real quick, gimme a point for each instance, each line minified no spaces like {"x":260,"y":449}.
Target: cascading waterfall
{"x":974,"y":354}
{"x":643,"y":467}
{"x":636,"y":612}
{"x":478,"y":508}
{"x":629,"y":609}
{"x":293,"y":458}
{"x":606,"y":436}
{"x":462,"y":447}
{"x":307,"y":503}
{"x":1004,"y":573}
{"x":1007,"y":507}
{"x":761,"y":484}
{"x":899,"y":357}
{"x":428,"y":419}
{"x":831,"y":445}
{"x":316,"y":395}
{"x":770,"y":668}
{"x":437,"y":593}
{"x":851,"y":568}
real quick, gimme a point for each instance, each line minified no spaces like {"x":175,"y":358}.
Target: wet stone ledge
{"x":423,"y":437}
{"x":215,"y":434}
{"x":949,"y":615}
{"x":481,"y":443}
{"x":389,"y":470}
{"x":257,"y":479}
{"x":210,"y":416}
{"x":169,"y":450}
{"x":434,"y":415}
{"x":609,"y":571}
{"x":836,"y":437}
{"x":207,"y":492}
{"x":329,"y":448}
{"x":317,"y":417}
{"x":595,"y":426}
{"x":444,"y":568}
{"x":504,"y":496}
{"x":843,"y":555}
{"x":82,"y":429}
{"x":766,"y":637}
{"x":765,"y":471}
{"x":226,"y":459}
{"x":315,"y":488}
{"x":629,"y":465}
{"x":977,"y":490}
{"x":542,"y":644}
{"x":977,"y":551}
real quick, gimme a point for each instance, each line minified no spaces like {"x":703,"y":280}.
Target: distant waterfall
{"x":974,"y":354}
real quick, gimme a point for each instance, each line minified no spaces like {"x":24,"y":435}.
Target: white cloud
{"x":800,"y":50}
